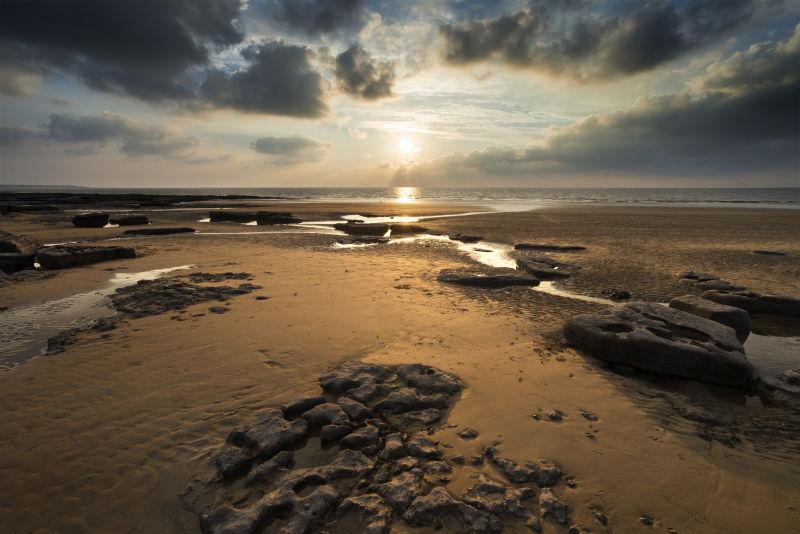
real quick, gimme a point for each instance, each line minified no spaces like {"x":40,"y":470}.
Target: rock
{"x":331,"y":433}
{"x":267,"y":218}
{"x":365,"y":240}
{"x":231,"y":461}
{"x":352,"y":375}
{"x":428,"y":510}
{"x":692,"y":276}
{"x":358,"y":228}
{"x":421,"y":446}
{"x":422,"y":417}
{"x":719,"y":285}
{"x":550,"y":506}
{"x":231,"y":216}
{"x":736,"y":318}
{"x":543,"y":247}
{"x":541,"y":270}
{"x":589,"y":416}
{"x":468,"y":433}
{"x":401,"y":490}
{"x":457,"y":460}
{"x":555,"y":415}
{"x":19,"y":244}
{"x":326,"y":413}
{"x":465,"y":238}
{"x":12,"y":262}
{"x":354,"y":409}
{"x":543,"y":473}
{"x":429,"y":380}
{"x":361,"y":439}
{"x":499,"y":499}
{"x":90,"y":220}
{"x":617,"y":294}
{"x":393,"y":447}
{"x":769,"y":252}
{"x":437,"y":467}
{"x":757,"y":303}
{"x":265,"y":471}
{"x":66,"y":257}
{"x":512,"y":470}
{"x":657,"y":338}
{"x":269,"y":435}
{"x":299,"y":406}
{"x":373,"y":515}
{"x":407,"y":229}
{"x":160,"y":231}
{"x":487,"y":277}
{"x":407,"y":399}
{"x":129,"y":220}
{"x":791,"y":377}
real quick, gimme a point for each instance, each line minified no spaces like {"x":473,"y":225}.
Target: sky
{"x":431,"y":93}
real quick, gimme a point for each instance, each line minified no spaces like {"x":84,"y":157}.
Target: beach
{"x":115,"y":433}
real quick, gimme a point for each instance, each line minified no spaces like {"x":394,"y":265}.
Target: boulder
{"x":421,"y":446}
{"x":487,"y":277}
{"x":301,"y":405}
{"x":407,"y":229}
{"x":358,"y":228}
{"x":354,"y":409}
{"x":657,"y":338}
{"x":430,"y":509}
{"x":401,"y":490}
{"x":362,"y":438}
{"x":326,"y":413}
{"x":541,"y":270}
{"x":231,"y":216}
{"x":66,"y":257}
{"x":757,"y":302}
{"x":90,"y":220}
{"x":19,"y":244}
{"x":13,"y":262}
{"x":465,"y":238}
{"x":546,"y":247}
{"x":130,"y":220}
{"x":160,"y":231}
{"x":268,"y":218}
{"x":736,"y":318}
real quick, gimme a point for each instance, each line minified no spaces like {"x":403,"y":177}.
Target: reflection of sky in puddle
{"x":26,"y":329}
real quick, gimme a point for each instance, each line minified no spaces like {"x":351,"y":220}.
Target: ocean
{"x":764,"y":197}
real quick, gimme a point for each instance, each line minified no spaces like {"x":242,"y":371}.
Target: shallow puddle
{"x":26,"y":329}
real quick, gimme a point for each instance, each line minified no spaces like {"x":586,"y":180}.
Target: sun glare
{"x":406,"y":195}
{"x":407,"y":146}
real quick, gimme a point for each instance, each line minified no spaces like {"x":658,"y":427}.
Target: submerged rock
{"x":66,"y":257}
{"x":657,"y":338}
{"x":359,"y":228}
{"x":487,"y":277}
{"x":757,"y":302}
{"x":90,"y":220}
{"x":160,"y":231}
{"x":546,"y":247}
{"x":736,"y":318}
{"x":268,"y":218}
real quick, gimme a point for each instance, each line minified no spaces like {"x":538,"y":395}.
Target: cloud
{"x":575,"y":40}
{"x":142,"y":49}
{"x":290,"y":150}
{"x":88,"y":134}
{"x":278,"y":80}
{"x":313,"y":17}
{"x":361,"y":76}
{"x":743,"y":118}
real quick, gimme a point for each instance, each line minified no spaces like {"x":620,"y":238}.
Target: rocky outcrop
{"x":407,"y":229}
{"x":547,"y":247}
{"x":656,"y":338}
{"x":130,"y":220}
{"x":487,"y":277}
{"x":465,"y":238}
{"x":66,"y":257}
{"x":268,"y":218}
{"x":91,"y":220}
{"x":430,"y":510}
{"x":736,"y":318}
{"x":543,"y":270}
{"x":359,"y":228}
{"x":160,"y":231}
{"x":231,"y":216}
{"x":757,"y":302}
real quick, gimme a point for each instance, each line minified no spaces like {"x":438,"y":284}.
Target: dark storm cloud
{"x":574,"y":39}
{"x":290,"y":150}
{"x":313,"y":17}
{"x":741,"y":116}
{"x":142,"y":48}
{"x":86,"y":134}
{"x":278,"y":80}
{"x":360,"y":75}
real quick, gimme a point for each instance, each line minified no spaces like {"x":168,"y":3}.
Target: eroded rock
{"x":373,"y":515}
{"x":431,"y":509}
{"x":497,"y":498}
{"x":736,"y":318}
{"x":487,"y":277}
{"x":551,"y":506}
{"x":407,"y":229}
{"x":67,"y":257}
{"x":757,"y":302}
{"x":268,"y":218}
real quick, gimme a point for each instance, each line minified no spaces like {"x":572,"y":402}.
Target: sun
{"x":407,"y":146}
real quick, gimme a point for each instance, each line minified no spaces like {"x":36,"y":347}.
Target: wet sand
{"x":105,"y":436}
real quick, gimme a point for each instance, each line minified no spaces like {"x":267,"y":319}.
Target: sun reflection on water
{"x":406,"y":195}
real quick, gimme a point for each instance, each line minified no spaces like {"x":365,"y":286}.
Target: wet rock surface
{"x":275,"y":476}
{"x":487,"y":277}
{"x":268,"y":218}
{"x":736,"y":318}
{"x":160,"y":231}
{"x":656,"y":338}
{"x":366,"y":240}
{"x":407,"y":229}
{"x":362,"y":229}
{"x":18,"y":244}
{"x":757,"y":302}
{"x":465,"y":238}
{"x":66,"y":257}
{"x":90,"y":220}
{"x":129,"y":220}
{"x":231,"y":216}
{"x":706,"y":281}
{"x":543,"y":269}
{"x":547,"y":247}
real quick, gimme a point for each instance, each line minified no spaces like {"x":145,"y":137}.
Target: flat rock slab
{"x":657,"y":338}
{"x":160,"y":231}
{"x":487,"y":277}
{"x":407,"y":229}
{"x":66,"y":257}
{"x":542,"y":270}
{"x":547,"y":247}
{"x":757,"y":302}
{"x":736,"y":318}
{"x":130,"y":220}
{"x":90,"y":220}
{"x":364,"y":240}
{"x":231,"y":216}
{"x":268,"y":218}
{"x":465,"y":238}
{"x":354,"y":228}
